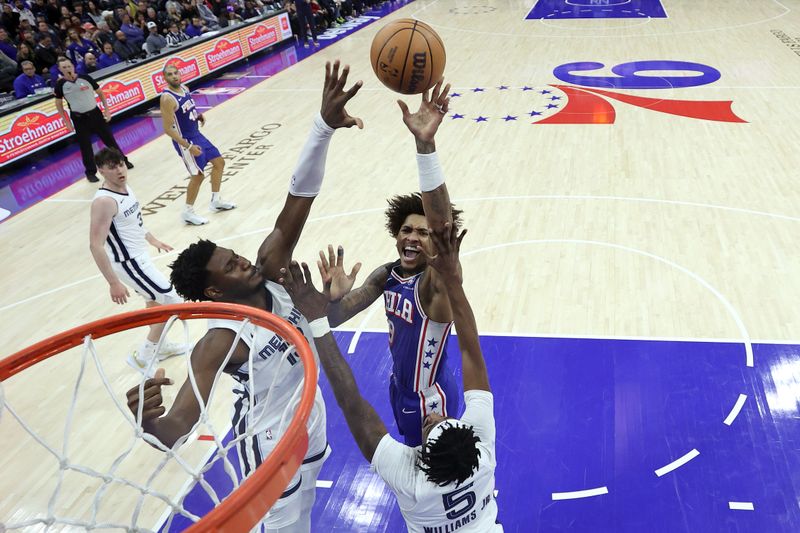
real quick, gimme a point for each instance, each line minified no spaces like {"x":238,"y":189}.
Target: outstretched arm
{"x":448,"y":244}
{"x":435,"y":199}
{"x":206,"y":359}
{"x":277,"y":248}
{"x":366,"y":426}
{"x":345,"y":304}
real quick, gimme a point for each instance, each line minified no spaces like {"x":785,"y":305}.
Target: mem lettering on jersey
{"x":278,"y":345}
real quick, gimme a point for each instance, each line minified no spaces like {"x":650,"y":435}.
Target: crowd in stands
{"x":96,"y":34}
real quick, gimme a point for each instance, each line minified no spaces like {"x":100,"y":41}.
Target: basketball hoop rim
{"x":230,"y":511}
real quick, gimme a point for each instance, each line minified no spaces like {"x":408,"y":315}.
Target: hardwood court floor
{"x":657,"y":226}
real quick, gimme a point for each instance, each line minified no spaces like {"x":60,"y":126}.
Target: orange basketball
{"x":408,"y":56}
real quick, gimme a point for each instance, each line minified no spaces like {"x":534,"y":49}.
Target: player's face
{"x":231,"y":276}
{"x":115,"y":173}
{"x":430,"y":422}
{"x":411,"y":240}
{"x":173,"y":76}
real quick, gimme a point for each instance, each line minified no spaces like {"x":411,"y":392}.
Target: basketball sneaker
{"x":140,"y":362}
{"x":221,"y":205}
{"x":190,"y":217}
{"x":171,"y":349}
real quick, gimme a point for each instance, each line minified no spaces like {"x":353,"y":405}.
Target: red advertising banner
{"x":189,"y":70}
{"x":38,"y":125}
{"x":223,"y":53}
{"x":121,"y":95}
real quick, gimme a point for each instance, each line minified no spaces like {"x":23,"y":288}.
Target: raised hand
{"x":312,"y":303}
{"x":334,"y":278}
{"x":334,"y":98}
{"x":152,"y":399}
{"x":447,"y":242}
{"x":425,"y":122}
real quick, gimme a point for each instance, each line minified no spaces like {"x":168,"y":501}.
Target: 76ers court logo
{"x":587,"y":97}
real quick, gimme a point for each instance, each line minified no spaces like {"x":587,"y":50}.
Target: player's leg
{"x":143,"y":277}
{"x":213,"y":156}
{"x":103,"y":130}
{"x":406,"y":406}
{"x":195,"y":166}
{"x":83,"y":134}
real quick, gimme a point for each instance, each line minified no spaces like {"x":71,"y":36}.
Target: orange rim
{"x":247,"y":505}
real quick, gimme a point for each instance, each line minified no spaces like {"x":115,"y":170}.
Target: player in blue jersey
{"x":181,"y":123}
{"x":417,"y":306}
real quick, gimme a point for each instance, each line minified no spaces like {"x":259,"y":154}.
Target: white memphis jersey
{"x":429,"y":508}
{"x":275,"y":377}
{"x":125,"y":239}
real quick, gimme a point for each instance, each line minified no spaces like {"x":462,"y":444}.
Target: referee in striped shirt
{"x":85,"y":118}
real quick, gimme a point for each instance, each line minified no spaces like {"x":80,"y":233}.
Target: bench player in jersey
{"x":417,"y":307}
{"x":446,"y":485}
{"x":205,"y":271}
{"x":181,"y":123}
{"x":118,"y":242}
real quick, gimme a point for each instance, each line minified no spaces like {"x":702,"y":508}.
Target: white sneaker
{"x":140,"y":364}
{"x":171,"y":349}
{"x":190,"y":217}
{"x":221,"y":205}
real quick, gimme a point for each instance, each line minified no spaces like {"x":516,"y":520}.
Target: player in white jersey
{"x":118,"y":241}
{"x":205,"y":271}
{"x":447,"y":484}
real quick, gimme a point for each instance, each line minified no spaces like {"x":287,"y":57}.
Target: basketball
{"x":408,"y":56}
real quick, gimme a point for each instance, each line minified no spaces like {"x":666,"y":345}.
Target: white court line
{"x":735,"y":411}
{"x":618,"y":34}
{"x":322,"y":484}
{"x":576,"y":494}
{"x":741,"y":506}
{"x":645,"y":338}
{"x":677,"y":463}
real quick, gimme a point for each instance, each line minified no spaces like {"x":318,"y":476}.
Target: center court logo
{"x":589,"y":99}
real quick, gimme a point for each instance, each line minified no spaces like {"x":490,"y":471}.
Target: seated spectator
{"x":52,"y":12}
{"x":197,"y":27}
{"x":27,"y":82}
{"x":45,"y":29}
{"x":24,"y":53}
{"x":249,"y":10}
{"x":7,"y":45}
{"x":27,"y":38}
{"x":133,"y":33}
{"x":176,"y":36}
{"x":9,"y":19}
{"x":207,"y":15}
{"x":125,"y":49}
{"x":46,"y":55}
{"x":78,"y":11}
{"x":103,"y":34}
{"x":24,"y":12}
{"x":155,"y":41}
{"x":77,"y":46}
{"x":94,"y":12}
{"x":88,"y":65}
{"x":173,"y":14}
{"x":108,"y":57}
{"x":111,"y":21}
{"x":8,"y":73}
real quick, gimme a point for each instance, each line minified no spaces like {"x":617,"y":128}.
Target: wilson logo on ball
{"x":408,"y":56}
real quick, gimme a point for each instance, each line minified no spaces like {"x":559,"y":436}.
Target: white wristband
{"x":431,"y":175}
{"x":320,"y":327}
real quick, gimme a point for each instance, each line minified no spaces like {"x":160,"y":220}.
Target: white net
{"x":90,"y":469}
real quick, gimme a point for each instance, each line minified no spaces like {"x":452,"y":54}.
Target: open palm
{"x":425,"y":122}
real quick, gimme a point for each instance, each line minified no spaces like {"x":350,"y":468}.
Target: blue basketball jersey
{"x":418,"y":344}
{"x":185,"y":115}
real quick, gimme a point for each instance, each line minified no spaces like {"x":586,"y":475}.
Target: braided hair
{"x":452,"y":457}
